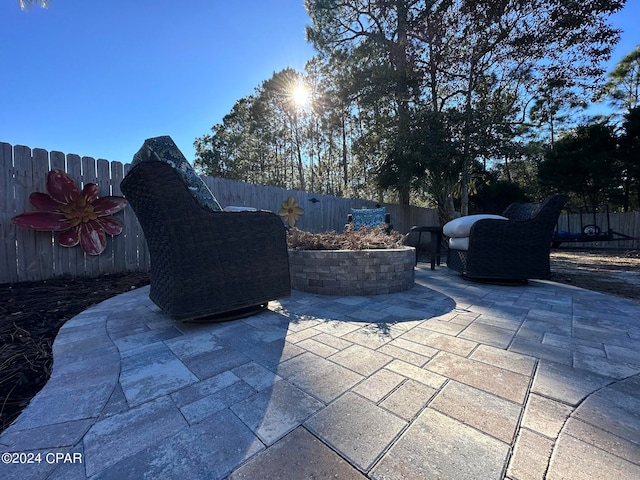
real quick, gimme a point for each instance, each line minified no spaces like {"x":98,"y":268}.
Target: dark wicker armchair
{"x":204,"y":263}
{"x":515,"y":248}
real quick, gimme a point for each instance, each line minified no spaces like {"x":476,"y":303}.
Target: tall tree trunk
{"x":303,"y":185}
{"x":298,"y":153}
{"x":345,"y":169}
{"x":399,"y":62}
{"x":506,"y":168}
{"x":465,"y":178}
{"x":466,"y":148}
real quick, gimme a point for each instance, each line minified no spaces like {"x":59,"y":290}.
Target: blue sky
{"x":97,"y":77}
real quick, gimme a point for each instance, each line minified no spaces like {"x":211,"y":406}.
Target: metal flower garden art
{"x":80,"y":217}
{"x":290,"y":211}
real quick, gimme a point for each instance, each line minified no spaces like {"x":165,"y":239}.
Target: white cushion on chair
{"x":460,"y":227}
{"x":459,"y":243}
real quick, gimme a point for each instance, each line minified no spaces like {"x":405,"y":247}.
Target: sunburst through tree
{"x":301,"y":95}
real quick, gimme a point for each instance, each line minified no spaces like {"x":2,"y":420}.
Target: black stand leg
{"x":434,"y":249}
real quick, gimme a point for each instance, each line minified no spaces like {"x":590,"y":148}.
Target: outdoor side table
{"x":436,"y":243}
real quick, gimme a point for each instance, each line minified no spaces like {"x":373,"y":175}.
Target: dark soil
{"x":31,"y":313}
{"x":608,"y":271}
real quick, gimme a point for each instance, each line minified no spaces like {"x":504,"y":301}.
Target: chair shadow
{"x":379,"y":311}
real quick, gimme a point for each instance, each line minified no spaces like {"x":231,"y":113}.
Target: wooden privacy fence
{"x":30,"y":255}
{"x":321,"y":212}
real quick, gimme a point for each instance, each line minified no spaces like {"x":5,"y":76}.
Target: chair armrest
{"x":491,"y":233}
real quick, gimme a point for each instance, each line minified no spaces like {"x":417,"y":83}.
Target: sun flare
{"x":301,"y":95}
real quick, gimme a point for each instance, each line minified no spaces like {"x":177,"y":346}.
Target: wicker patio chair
{"x":512,"y":247}
{"x":205,"y":262}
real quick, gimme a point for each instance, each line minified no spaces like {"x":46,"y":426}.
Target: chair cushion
{"x":459,"y":243}
{"x":233,"y":208}
{"x":460,"y":227}
{"x":163,"y":149}
{"x":367,"y":217}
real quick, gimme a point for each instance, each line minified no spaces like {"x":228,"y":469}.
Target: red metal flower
{"x":80,"y":217}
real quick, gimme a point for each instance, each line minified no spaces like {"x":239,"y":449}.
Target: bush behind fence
{"x":29,"y":255}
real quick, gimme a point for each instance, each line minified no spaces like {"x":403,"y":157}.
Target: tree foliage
{"x":584,"y":162}
{"x":484,"y":61}
{"x":623,"y":87}
{"x":418,"y":98}
{"x":630,"y":160}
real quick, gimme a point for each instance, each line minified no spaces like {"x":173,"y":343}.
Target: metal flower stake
{"x":290,"y":211}
{"x":80,"y":217}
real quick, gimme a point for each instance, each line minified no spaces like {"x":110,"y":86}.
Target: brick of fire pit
{"x":352,"y":272}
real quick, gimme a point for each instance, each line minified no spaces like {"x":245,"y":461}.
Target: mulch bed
{"x":31,"y":313}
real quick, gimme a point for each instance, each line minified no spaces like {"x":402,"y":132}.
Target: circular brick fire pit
{"x":352,"y":272}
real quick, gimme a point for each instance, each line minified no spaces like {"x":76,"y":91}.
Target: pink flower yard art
{"x":80,"y":216}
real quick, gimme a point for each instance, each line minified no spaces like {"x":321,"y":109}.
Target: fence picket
{"x":8,"y":253}
{"x":117,"y":174}
{"x":44,"y":240}
{"x":77,"y":255}
{"x":26,"y":239}
{"x":105,"y":260}
{"x":89,"y":175}
{"x":62,"y":255}
{"x":132,"y":257}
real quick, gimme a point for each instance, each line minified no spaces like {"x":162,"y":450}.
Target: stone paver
{"x":488,"y":335}
{"x":421,"y":375}
{"x":274,"y":412}
{"x":211,"y":449}
{"x":198,"y":410}
{"x":566,"y":384}
{"x":409,"y":399}
{"x":437,"y":446}
{"x":361,"y":359}
{"x":299,"y":455}
{"x":604,"y":440}
{"x":504,"y":383}
{"x":319,"y":377}
{"x":379,"y":385}
{"x":488,"y":413}
{"x":530,"y":456}
{"x":356,"y":428}
{"x":545,"y":416}
{"x":440,"y":341}
{"x":153,"y":371}
{"x":613,"y":411}
{"x":104,"y":444}
{"x":514,"y":362}
{"x":451,"y":379}
{"x":578,"y":460}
